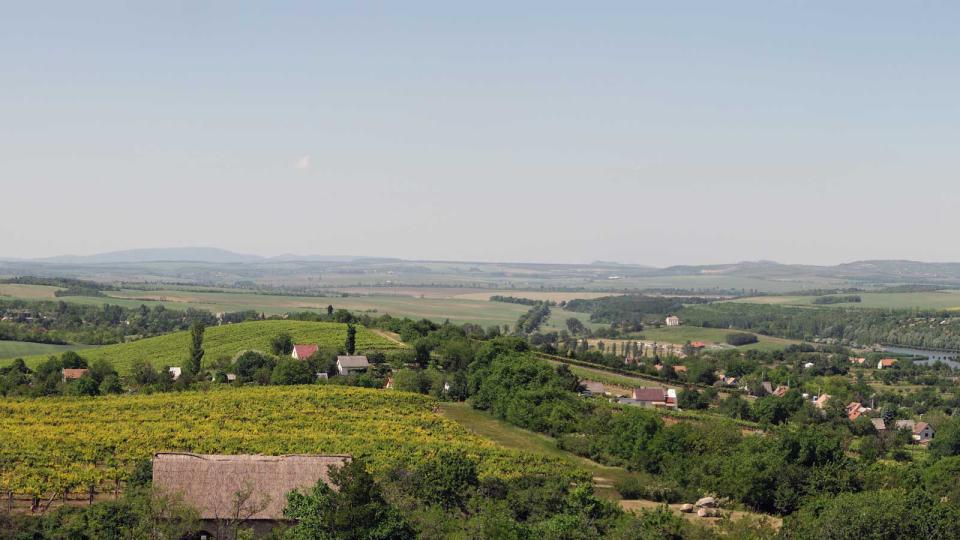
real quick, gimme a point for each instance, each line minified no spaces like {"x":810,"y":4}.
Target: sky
{"x":656,"y":133}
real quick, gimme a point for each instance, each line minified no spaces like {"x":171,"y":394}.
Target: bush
{"x":740,"y":338}
{"x":640,"y":488}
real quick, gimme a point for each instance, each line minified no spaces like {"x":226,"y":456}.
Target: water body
{"x":933,"y":356}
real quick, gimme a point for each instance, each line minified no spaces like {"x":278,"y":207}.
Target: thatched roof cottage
{"x":211,"y":484}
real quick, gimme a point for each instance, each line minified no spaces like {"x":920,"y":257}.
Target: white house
{"x":350,"y":365}
{"x":176,"y":372}
{"x":673,"y":320}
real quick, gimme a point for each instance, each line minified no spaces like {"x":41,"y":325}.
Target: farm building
{"x":886,"y":363}
{"x":855,"y":409}
{"x":302,"y":352}
{"x":821,"y":401}
{"x":211,"y":484}
{"x":652,"y":397}
{"x":921,"y":432}
{"x":73,"y":374}
{"x":351,"y":365}
{"x":672,"y":320}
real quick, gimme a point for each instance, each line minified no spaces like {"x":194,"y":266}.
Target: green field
{"x":227,"y":340}
{"x":946,"y":299}
{"x":20,"y":349}
{"x":683,"y":334}
{"x":528,"y":442}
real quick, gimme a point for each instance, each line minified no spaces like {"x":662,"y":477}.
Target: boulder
{"x":708,"y":512}
{"x":707,"y":502}
{"x":686,"y":508}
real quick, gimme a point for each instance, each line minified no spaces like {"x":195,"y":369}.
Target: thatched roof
{"x":210,"y":483}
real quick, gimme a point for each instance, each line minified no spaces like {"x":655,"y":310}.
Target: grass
{"x":27,"y":292}
{"x":20,"y":349}
{"x":227,"y":340}
{"x":682,"y":334}
{"x":516,"y":438}
{"x":946,"y":299}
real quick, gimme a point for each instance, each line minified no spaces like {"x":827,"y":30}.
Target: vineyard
{"x":227,"y":340}
{"x":50,"y":447}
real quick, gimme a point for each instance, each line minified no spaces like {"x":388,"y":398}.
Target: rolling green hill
{"x":171,"y":349}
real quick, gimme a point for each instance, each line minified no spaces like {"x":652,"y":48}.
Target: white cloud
{"x":303,"y":162}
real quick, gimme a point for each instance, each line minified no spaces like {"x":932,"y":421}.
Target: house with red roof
{"x":302,"y":352}
{"x":886,"y":363}
{"x":73,"y":374}
{"x":652,"y":397}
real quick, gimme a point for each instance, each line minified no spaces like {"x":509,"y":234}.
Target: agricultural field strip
{"x":57,"y":445}
{"x":227,"y":340}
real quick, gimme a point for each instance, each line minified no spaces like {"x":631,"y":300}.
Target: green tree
{"x":329,"y":311}
{"x":946,"y":441}
{"x":196,"y":347}
{"x":355,"y":510}
{"x":292,"y":371}
{"x":351,"y":344}
{"x":281,"y":344}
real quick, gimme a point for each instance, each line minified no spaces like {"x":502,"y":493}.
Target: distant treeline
{"x":521,"y":301}
{"x":844,"y":299}
{"x":69,"y":286}
{"x":823,"y":292}
{"x":531,"y":321}
{"x":932,"y":329}
{"x":62,"y":322}
{"x":631,"y":308}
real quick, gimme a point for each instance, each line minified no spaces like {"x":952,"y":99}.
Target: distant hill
{"x":199,"y":254}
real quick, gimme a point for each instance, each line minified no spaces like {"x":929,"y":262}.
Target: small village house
{"x":886,"y":363}
{"x":821,"y":401}
{"x":213,"y":485}
{"x":175,"y":372}
{"x":878,"y":424}
{"x":921,"y":432}
{"x":857,"y":360}
{"x":855,"y":409}
{"x":672,"y":320}
{"x":302,"y":352}
{"x":352,"y":365}
{"x":652,"y":397}
{"x":73,"y":374}
{"x":592,"y":388}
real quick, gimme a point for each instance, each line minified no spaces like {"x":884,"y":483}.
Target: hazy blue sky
{"x":647,"y":132}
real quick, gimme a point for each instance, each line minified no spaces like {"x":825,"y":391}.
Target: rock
{"x":708,"y":512}
{"x":707,"y":502}
{"x":686,"y":508}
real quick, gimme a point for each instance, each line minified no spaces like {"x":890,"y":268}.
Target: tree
{"x":947,"y":440}
{"x":329,"y":311}
{"x":196,"y":347}
{"x":292,"y":371}
{"x":281,"y":344}
{"x":355,"y":510}
{"x":351,"y":344}
{"x":576,"y":326}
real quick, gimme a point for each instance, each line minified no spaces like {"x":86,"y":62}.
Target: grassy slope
{"x":682,"y":334}
{"x":19,"y":349}
{"x":513,"y":437}
{"x":171,"y":349}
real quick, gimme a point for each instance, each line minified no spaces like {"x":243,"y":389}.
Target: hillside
{"x":227,"y":340}
{"x":48,"y":445}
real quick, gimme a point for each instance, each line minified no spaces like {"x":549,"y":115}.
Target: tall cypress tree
{"x":351,"y":344}
{"x":196,"y":347}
